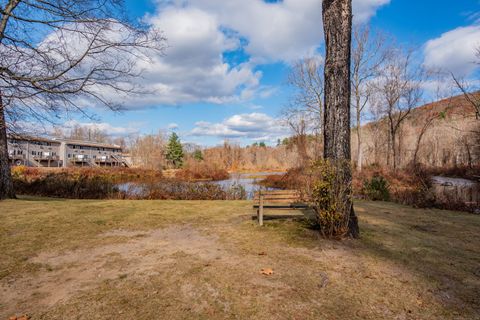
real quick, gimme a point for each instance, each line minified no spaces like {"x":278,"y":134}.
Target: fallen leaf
{"x":267,"y":271}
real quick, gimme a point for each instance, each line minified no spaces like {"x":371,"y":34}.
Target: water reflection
{"x":249,"y":181}
{"x":238,"y":186}
{"x":456,"y":189}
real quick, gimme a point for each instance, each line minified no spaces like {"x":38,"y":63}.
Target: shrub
{"x":182,"y":190}
{"x":293,"y":179}
{"x":326,"y":192}
{"x":201,"y":170}
{"x":376,"y":189}
{"x":64,"y":185}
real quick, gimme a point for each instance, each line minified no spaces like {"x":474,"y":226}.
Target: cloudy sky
{"x":223,"y":74}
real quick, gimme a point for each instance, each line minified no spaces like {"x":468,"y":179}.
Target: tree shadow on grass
{"x":441,"y":246}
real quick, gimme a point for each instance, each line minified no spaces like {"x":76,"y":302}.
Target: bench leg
{"x":260,"y":213}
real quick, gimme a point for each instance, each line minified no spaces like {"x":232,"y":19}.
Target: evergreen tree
{"x":197,"y":155}
{"x":262,"y":144}
{"x":174,"y":152}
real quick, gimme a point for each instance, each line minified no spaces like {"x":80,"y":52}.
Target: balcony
{"x":16,"y":156}
{"x":46,"y":158}
{"x":79,"y":158}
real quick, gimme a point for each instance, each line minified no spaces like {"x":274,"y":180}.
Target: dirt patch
{"x":63,"y":274}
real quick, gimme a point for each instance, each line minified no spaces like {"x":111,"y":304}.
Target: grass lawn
{"x":79,"y":259}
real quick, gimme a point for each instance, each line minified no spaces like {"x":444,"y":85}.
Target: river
{"x":456,"y":189}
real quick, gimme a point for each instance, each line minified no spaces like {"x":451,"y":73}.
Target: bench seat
{"x":279,"y":200}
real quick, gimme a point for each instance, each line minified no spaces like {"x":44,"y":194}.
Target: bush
{"x":169,"y":189}
{"x":63,"y":185}
{"x":376,"y":189}
{"x":201,"y":170}
{"x":329,"y":196}
{"x":294,"y":179}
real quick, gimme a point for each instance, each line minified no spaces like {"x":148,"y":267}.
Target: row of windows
{"x":40,"y":153}
{"x":93,"y":148}
{"x":84,"y":156}
{"x":37,"y":143}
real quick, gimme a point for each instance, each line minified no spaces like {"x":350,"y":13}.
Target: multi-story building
{"x":43,"y":152}
{"x":34,"y":151}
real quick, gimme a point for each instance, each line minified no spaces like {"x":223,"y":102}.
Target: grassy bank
{"x":92,"y":259}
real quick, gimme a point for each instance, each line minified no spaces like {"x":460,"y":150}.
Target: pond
{"x":247,"y":181}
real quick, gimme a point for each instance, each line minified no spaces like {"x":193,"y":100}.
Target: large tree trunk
{"x":337,"y":23}
{"x":6,"y":184}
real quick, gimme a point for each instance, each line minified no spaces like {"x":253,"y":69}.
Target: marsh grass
{"x":103,"y":183}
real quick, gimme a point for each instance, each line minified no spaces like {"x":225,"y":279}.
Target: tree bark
{"x":337,"y":23}
{"x":6,"y":183}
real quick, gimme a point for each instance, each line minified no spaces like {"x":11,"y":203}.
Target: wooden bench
{"x":278,"y":199}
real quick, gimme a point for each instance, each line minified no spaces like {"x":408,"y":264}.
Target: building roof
{"x":31,"y":138}
{"x":67,"y":141}
{"x":89,"y":143}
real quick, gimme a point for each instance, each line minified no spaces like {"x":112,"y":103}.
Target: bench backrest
{"x":277,"y":196}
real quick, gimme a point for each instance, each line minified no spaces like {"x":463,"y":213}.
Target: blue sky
{"x":223,"y":75}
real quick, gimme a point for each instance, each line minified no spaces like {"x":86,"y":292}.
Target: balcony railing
{"x":46,"y":158}
{"x":16,"y":156}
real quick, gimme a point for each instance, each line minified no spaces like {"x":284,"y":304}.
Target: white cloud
{"x":363,"y":10}
{"x":172,"y":126}
{"x":193,"y":68}
{"x":281,"y":31}
{"x":105,"y":127}
{"x":200,"y":32}
{"x":253,"y":126}
{"x":454,"y":51}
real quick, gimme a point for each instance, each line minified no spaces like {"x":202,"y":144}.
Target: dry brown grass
{"x":194,"y":170}
{"x":83,"y":259}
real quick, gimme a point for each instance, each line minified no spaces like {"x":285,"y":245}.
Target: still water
{"x":249,"y":182}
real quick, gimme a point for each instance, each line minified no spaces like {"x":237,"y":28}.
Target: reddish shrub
{"x":195,"y":170}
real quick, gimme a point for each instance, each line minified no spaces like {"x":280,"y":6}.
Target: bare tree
{"x":305,"y":112}
{"x":337,"y":25}
{"x":298,"y":122}
{"x":58,"y":56}
{"x":149,"y":151}
{"x":368,"y":54}
{"x":306,"y":77}
{"x":399,"y":89}
{"x":470,"y":94}
{"x":432,"y":115}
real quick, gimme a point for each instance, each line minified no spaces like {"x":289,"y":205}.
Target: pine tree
{"x":174,"y":152}
{"x":197,"y":155}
